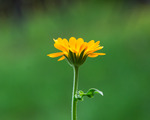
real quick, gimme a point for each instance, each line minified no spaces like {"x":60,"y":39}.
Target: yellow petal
{"x":60,"y":47}
{"x":80,"y":41}
{"x":92,"y":55}
{"x":65,"y":42}
{"x":97,"y":43}
{"x":90,"y":43}
{"x":59,"y":39}
{"x":99,"y":48}
{"x":63,"y":57}
{"x":54,"y":40}
{"x":55,"y":54}
{"x":93,"y":50}
{"x":101,"y":53}
{"x":95,"y":54}
{"x":83,"y":47}
{"x":90,"y":46}
{"x":72,"y":43}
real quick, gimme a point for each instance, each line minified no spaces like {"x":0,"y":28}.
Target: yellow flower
{"x":76,"y":50}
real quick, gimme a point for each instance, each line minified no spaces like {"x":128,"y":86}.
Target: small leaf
{"x":80,"y":92}
{"x":80,"y":95}
{"x":91,"y":92}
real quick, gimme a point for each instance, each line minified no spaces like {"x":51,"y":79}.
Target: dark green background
{"x":36,"y":87}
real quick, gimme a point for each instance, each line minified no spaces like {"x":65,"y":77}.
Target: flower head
{"x":76,"y":50}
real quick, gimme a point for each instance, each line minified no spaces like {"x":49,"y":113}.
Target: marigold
{"x":76,"y":50}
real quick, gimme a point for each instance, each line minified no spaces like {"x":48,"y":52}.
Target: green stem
{"x":74,"y":92}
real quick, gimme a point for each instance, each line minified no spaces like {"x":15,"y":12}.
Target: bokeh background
{"x":36,"y":87}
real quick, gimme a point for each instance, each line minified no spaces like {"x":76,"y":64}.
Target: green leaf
{"x":90,"y":93}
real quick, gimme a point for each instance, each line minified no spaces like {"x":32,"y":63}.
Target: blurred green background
{"x":36,"y":87}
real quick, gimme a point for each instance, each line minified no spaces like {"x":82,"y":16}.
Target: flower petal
{"x":72,"y":43}
{"x":101,"y":53}
{"x":80,"y":41}
{"x":55,"y":54}
{"x":93,"y":50}
{"x":92,"y":55}
{"x":60,"y":47}
{"x":65,"y":42}
{"x":95,"y":54}
{"x":90,"y":46}
{"x":61,"y":44}
{"x":63,"y":57}
{"x":83,"y":47}
{"x":97,"y":43}
{"x":59,"y":39}
{"x":90,"y":43}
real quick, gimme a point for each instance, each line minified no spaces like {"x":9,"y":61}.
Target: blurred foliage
{"x":36,"y":87}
